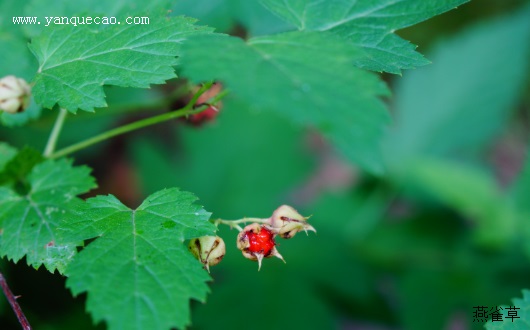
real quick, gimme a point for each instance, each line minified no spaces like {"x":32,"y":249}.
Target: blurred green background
{"x":446,"y":229}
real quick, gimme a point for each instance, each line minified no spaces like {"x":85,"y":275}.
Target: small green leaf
{"x":28,"y":222}
{"x":138,"y":274}
{"x":75,"y":62}
{"x":367,"y":23}
{"x":523,"y":312}
{"x":305,"y":76}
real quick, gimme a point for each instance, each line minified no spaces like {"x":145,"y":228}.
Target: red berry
{"x":257,"y":242}
{"x":261,"y":242}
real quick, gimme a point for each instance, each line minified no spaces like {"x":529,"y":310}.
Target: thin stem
{"x":14,"y":304}
{"x":187,"y":110}
{"x":54,"y":135}
{"x":235,"y":223}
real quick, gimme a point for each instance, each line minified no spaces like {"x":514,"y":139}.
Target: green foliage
{"x":7,"y":153}
{"x":226,"y":15}
{"x":29,"y":220}
{"x":520,"y":194}
{"x":137,"y":273}
{"x":248,"y":179}
{"x":518,"y":324}
{"x":368,"y":24}
{"x":439,"y":118}
{"x":474,"y":193}
{"x":65,"y":8}
{"x":437,"y":221}
{"x":17,"y":165}
{"x":432,"y":102}
{"x":74,"y":62}
{"x":295,"y":75}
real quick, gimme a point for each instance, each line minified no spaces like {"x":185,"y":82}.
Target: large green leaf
{"x":28,"y":221}
{"x":367,"y":23}
{"x":465,"y":98}
{"x":138,"y":274}
{"x":81,"y":8}
{"x":225,"y":15}
{"x":523,"y":312}
{"x":304,"y":76}
{"x":75,"y":62}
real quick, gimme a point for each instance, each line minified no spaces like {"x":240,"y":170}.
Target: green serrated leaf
{"x":306,"y":77}
{"x":366,"y":23}
{"x":138,"y":274}
{"x":28,"y":222}
{"x":75,"y":62}
{"x":65,"y":8}
{"x":523,"y":312}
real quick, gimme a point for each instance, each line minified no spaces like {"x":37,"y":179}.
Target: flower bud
{"x":209,"y":250}
{"x":257,"y":242}
{"x":14,"y":94}
{"x":286,"y":221}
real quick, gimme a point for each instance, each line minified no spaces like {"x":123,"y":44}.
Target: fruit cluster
{"x":256,"y":240}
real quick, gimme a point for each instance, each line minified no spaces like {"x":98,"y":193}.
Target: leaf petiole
{"x":235,"y":223}
{"x":187,"y":110}
{"x":54,"y":135}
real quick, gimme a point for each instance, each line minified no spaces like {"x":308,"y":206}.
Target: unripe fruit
{"x":204,"y":116}
{"x":211,"y":112}
{"x":209,"y":250}
{"x":286,"y":221}
{"x":257,"y":242}
{"x":14,"y":94}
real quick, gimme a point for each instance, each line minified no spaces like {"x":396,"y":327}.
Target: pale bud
{"x":14,"y":94}
{"x":286,"y":221}
{"x":209,"y":250}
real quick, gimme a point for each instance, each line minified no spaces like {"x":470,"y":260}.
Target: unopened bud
{"x":14,"y":94}
{"x":209,"y":250}
{"x":286,"y":221}
{"x":257,"y":242}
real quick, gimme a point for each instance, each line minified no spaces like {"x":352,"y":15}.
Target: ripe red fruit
{"x":261,"y":242}
{"x":257,"y":242}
